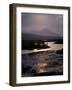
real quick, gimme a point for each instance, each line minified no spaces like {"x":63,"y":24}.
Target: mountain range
{"x":44,"y":34}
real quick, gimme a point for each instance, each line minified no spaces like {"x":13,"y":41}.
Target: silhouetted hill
{"x":30,"y":36}
{"x":44,"y":32}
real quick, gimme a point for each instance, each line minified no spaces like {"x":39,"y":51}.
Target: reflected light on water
{"x":40,"y":67}
{"x":41,"y":64}
{"x":35,"y":50}
{"x":42,"y":71}
{"x":46,"y":43}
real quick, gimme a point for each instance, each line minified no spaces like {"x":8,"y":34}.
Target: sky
{"x":39,"y":22}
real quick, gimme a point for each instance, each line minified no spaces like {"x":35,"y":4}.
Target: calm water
{"x":52,"y":45}
{"x":42,"y":62}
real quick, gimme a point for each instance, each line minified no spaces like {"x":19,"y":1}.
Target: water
{"x":42,"y":62}
{"x":52,"y":45}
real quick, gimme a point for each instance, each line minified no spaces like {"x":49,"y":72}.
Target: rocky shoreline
{"x":45,"y":63}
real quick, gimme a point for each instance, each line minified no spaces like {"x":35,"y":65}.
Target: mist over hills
{"x":44,"y":34}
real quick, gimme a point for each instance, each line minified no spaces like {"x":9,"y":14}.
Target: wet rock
{"x":59,"y":51}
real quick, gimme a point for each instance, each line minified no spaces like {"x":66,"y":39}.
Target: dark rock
{"x":48,"y":73}
{"x":60,"y":41}
{"x":59,"y":51}
{"x":33,"y":44}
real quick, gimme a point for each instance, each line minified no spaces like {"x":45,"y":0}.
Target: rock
{"x":59,"y":51}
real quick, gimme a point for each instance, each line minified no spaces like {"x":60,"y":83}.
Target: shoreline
{"x":53,"y":47}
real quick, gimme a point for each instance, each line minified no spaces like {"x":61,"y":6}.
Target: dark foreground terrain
{"x":45,"y":63}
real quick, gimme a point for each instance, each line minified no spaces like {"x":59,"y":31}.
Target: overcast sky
{"x":38,"y":22}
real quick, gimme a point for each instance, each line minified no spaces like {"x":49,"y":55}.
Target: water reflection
{"x":43,"y":61}
{"x":40,"y":67}
{"x":52,"y":45}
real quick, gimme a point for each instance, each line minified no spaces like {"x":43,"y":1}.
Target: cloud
{"x":31,"y":22}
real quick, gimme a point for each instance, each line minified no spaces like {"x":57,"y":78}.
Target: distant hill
{"x":30,"y":36}
{"x":44,"y":34}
